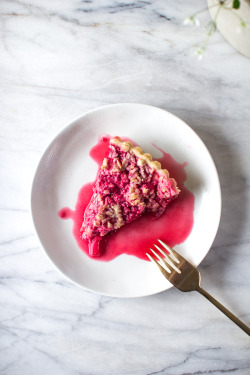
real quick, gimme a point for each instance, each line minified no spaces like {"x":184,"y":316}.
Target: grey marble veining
{"x":58,"y":60}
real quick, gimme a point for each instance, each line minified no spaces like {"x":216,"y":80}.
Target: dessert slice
{"x":128,"y":185}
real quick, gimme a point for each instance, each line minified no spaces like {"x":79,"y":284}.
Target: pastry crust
{"x":143,"y":157}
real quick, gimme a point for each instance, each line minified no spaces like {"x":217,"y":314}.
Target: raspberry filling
{"x":128,"y":185}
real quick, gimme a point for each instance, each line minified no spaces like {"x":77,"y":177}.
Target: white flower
{"x":197,"y":22}
{"x":200,"y":52}
{"x":192,"y":20}
{"x":188,"y":21}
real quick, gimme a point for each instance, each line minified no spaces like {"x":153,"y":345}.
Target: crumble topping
{"x":129,"y":184}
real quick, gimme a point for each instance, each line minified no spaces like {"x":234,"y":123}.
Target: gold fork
{"x":185,"y":277}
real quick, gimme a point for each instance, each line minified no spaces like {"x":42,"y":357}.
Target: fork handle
{"x":225,"y":311}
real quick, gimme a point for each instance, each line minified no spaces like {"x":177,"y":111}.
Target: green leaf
{"x":236,"y":4}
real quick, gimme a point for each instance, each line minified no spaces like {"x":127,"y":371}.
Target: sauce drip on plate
{"x":173,"y":227}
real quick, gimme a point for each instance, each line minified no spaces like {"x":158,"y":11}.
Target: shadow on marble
{"x":233,"y":188}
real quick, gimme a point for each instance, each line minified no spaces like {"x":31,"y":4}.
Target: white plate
{"x":66,"y":166}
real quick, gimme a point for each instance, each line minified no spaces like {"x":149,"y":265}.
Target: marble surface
{"x":60,"y":59}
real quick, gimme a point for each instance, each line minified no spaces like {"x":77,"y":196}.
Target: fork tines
{"x":185,"y":277}
{"x":169,"y":262}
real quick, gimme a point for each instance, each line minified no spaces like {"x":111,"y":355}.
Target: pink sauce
{"x":173,"y":227}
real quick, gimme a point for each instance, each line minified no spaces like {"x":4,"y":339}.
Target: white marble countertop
{"x":60,"y":59}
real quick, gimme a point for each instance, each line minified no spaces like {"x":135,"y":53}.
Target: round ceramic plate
{"x":66,"y":166}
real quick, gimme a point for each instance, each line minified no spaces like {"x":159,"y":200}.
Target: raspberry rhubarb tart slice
{"x":128,"y":185}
